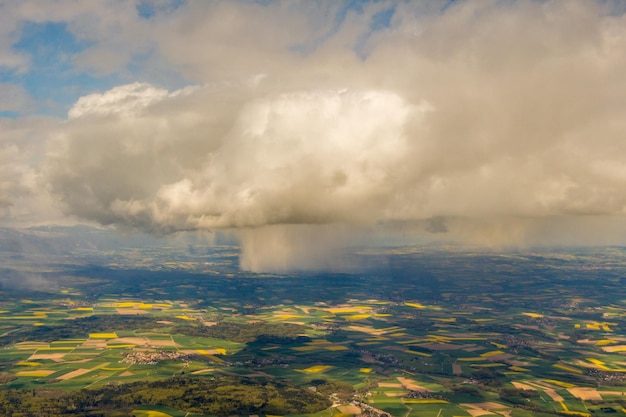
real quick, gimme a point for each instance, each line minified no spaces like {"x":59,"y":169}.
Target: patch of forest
{"x":278,"y":333}
{"x":222,"y":396}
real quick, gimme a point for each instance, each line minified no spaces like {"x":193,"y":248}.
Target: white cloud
{"x":124,"y":101}
{"x":482,"y":110}
{"x":24,"y":198}
{"x":185,"y":160}
{"x":489,"y":109}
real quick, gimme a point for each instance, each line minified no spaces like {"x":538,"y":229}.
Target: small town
{"x":152,"y":358}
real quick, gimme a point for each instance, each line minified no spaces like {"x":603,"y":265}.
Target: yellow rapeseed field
{"x":210,"y":356}
{"x":38,"y":373}
{"x":492,"y":353}
{"x":414,"y":352}
{"x":415,"y":305}
{"x":316,"y":369}
{"x":151,"y":413}
{"x":27,"y":363}
{"x":357,"y":317}
{"x":185,"y":318}
{"x":559,"y":383}
{"x":103,"y":335}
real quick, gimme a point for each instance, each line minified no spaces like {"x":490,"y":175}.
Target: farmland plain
{"x":420,"y":332}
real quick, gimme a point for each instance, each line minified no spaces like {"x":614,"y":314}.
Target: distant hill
{"x":55,"y":240}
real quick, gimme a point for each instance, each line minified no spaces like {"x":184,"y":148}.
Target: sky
{"x":307,"y":126}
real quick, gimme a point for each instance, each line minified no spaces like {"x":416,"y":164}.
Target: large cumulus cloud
{"x":483,"y":109}
{"x":233,"y":156}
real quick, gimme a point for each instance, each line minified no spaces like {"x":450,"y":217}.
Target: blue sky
{"x":52,"y":79}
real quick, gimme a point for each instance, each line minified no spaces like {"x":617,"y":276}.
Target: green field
{"x":454,"y":334}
